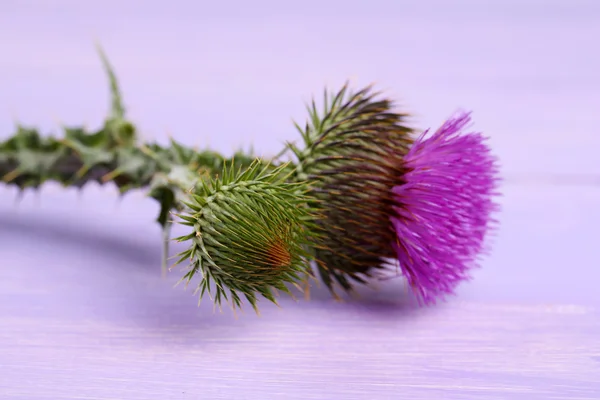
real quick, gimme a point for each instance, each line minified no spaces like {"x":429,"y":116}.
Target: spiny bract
{"x":250,"y":234}
{"x":346,"y":156}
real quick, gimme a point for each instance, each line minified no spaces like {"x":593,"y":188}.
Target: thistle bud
{"x":249,"y":234}
{"x":347,"y":161}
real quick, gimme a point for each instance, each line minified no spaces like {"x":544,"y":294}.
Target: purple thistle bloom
{"x":444,"y":209}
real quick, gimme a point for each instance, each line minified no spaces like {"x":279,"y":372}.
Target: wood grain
{"x":468,"y":351}
{"x":84,"y":314}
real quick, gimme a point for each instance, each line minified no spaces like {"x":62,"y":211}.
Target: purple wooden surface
{"x":83,"y":311}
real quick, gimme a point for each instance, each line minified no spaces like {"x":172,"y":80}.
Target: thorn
{"x":165,"y":249}
{"x":81,"y":171}
{"x":20,"y":195}
{"x":144,"y":148}
{"x":11,"y":175}
{"x":234,"y":310}
{"x":110,"y":176}
{"x":306,"y":290}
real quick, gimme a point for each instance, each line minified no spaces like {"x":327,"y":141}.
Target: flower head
{"x":384,"y":194}
{"x":443,"y":209}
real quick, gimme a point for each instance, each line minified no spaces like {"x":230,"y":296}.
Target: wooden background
{"x":84,"y":313}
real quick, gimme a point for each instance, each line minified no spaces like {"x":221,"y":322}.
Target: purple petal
{"x":444,"y":210}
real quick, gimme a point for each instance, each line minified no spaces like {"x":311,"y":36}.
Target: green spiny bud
{"x":250,"y":231}
{"x":346,"y":156}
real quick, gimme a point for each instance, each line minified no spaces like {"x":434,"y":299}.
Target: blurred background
{"x":233,"y":74}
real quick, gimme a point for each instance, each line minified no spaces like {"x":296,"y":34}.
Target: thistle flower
{"x":443,"y":208}
{"x":429,"y":208}
{"x":381,"y":193}
{"x":250,"y":232}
